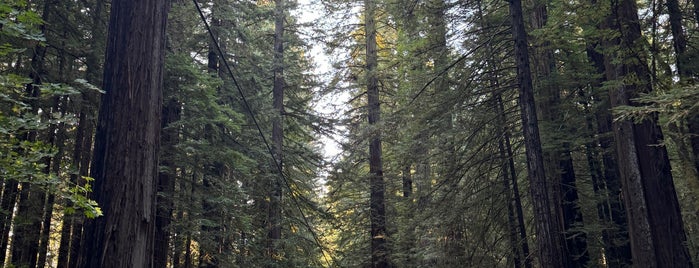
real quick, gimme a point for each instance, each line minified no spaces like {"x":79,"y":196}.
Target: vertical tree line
{"x":473,"y":133}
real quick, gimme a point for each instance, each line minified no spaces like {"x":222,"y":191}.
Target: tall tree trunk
{"x":188,"y":263}
{"x":655,"y":222}
{"x":511,"y":224}
{"x":127,"y":140}
{"x":26,"y":226}
{"x":70,"y":230}
{"x":407,"y":244}
{"x":45,"y":231}
{"x":25,"y":239}
{"x":58,"y":140}
{"x":686,"y":74}
{"x":166,"y":184}
{"x":379,"y":247}
{"x":616,"y":253}
{"x":549,"y":235}
{"x":679,"y":40}
{"x":84,"y":169}
{"x":515,"y":216}
{"x":208,"y":248}
{"x":521,"y":228}
{"x":518,"y":232}
{"x":559,"y":169}
{"x":274,"y":230}
{"x":72,"y":227}
{"x":9,"y":198}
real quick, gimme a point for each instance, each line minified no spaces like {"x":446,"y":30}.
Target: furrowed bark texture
{"x":655,"y":222}
{"x":127,"y":140}
{"x":275,"y":206}
{"x":379,"y":249}
{"x":549,"y":237}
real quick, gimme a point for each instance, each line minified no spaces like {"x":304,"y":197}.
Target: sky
{"x":332,"y":104}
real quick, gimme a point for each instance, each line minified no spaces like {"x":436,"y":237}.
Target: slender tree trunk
{"x":379,"y":247}
{"x":693,"y":127}
{"x":549,"y":235}
{"x":407,"y":179}
{"x":696,"y":11}
{"x":67,"y":227}
{"x":25,"y":242}
{"x":72,"y":227}
{"x":9,"y":198}
{"x":166,"y":184}
{"x":84,"y":170}
{"x":45,"y":231}
{"x":518,"y":232}
{"x":511,"y":223}
{"x":516,"y":197}
{"x":679,"y":40}
{"x":686,"y":74}
{"x":560,"y":164}
{"x":126,"y":149}
{"x":208,"y":253}
{"x":59,"y":143}
{"x":655,"y":222}
{"x":616,"y":253}
{"x":27,"y":226}
{"x":275,"y":206}
{"x":188,"y":263}
{"x":407,"y":245}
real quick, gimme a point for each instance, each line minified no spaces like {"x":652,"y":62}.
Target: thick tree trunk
{"x":379,"y":247}
{"x":128,"y":132}
{"x":549,"y":235}
{"x":655,"y":222}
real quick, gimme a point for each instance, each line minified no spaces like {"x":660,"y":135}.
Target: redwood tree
{"x":655,"y":222}
{"x":549,"y":236}
{"x":127,"y":140}
{"x":274,"y":232}
{"x":379,"y":248}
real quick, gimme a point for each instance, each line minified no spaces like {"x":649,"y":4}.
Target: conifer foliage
{"x":469,"y":133}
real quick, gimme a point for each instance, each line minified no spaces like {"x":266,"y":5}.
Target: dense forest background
{"x":472,"y":133}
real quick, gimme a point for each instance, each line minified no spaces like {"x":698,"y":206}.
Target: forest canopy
{"x":337,"y":133}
